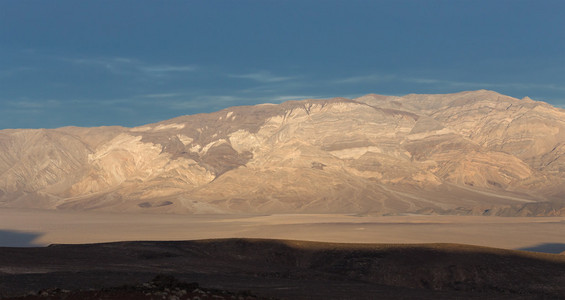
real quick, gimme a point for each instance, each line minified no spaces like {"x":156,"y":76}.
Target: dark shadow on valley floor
{"x":554,"y":248}
{"x":9,"y":238}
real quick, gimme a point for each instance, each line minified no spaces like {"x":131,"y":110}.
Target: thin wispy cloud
{"x":20,"y":110}
{"x":32,"y":104}
{"x":263,"y":76}
{"x":425,"y":80}
{"x":365,"y":79}
{"x":130,"y":66}
{"x":167,"y":68}
{"x":377,"y":78}
{"x":470,"y":85}
{"x":117,"y":65}
{"x":14,"y":71}
{"x":164,"y":95}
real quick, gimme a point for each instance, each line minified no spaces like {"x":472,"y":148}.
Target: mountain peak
{"x":469,"y":152}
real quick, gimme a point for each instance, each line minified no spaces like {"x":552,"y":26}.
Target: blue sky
{"x":94,"y":63}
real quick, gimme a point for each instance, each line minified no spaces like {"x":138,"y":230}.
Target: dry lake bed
{"x":19,"y":227}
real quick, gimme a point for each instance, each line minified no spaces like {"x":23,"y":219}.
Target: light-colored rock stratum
{"x":476,"y":152}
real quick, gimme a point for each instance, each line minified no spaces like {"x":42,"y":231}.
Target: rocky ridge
{"x":281,"y":269}
{"x":161,"y":287}
{"x":475,"y":152}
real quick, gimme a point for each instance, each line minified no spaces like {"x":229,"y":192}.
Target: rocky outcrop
{"x":161,"y":287}
{"x":479,"y":152}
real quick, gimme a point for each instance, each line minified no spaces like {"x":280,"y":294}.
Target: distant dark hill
{"x":555,"y":248}
{"x":10,"y":238}
{"x":292,"y":269}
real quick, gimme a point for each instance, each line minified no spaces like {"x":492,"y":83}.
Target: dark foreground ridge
{"x":161,"y":287}
{"x":283,"y":269}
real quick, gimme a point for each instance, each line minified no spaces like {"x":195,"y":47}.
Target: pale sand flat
{"x":71,"y":227}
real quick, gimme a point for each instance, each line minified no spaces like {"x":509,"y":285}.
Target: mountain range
{"x":475,"y":152}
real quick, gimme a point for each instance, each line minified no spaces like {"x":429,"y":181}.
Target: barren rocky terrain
{"x":160,"y":287}
{"x":405,"y":181}
{"x":470,"y":153}
{"x":287,"y":269}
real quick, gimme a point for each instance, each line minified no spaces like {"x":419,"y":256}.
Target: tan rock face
{"x":470,"y":152}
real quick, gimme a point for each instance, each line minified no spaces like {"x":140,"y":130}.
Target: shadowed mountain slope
{"x":474,"y":152}
{"x":293,"y":269}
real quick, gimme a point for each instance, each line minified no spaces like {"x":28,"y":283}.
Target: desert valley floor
{"x":394,"y":257}
{"x":544,"y":234}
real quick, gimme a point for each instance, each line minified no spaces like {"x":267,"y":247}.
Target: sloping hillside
{"x":474,"y":152}
{"x":292,"y":269}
